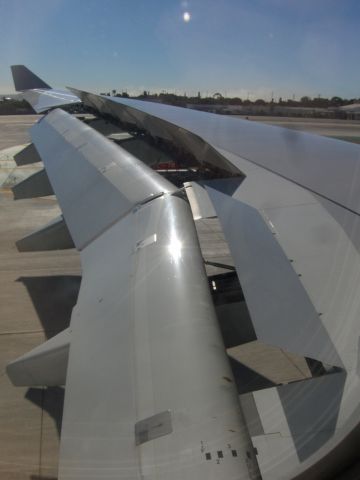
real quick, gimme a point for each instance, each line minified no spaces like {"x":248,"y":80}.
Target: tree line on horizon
{"x":219,"y":99}
{"x":9,"y":106}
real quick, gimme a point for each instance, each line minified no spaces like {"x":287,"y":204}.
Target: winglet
{"x":24,"y":79}
{"x":38,"y":93}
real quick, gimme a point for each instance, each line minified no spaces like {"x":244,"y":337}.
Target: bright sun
{"x":186,"y":17}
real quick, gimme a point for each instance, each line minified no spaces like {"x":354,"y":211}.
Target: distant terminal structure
{"x":350,"y":112}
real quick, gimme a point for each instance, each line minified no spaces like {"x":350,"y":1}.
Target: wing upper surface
{"x":145,"y":340}
{"x":96,"y":182}
{"x":308,"y":160}
{"x":137,"y":348}
{"x":43,"y":100}
{"x":144,"y":330}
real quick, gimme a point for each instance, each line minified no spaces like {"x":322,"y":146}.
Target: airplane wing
{"x":38,"y":93}
{"x":148,"y":385}
{"x":145,"y":349}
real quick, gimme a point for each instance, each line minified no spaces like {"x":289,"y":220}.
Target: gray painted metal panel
{"x":96,"y":182}
{"x":27,"y":156}
{"x":24,"y":79}
{"x":146,"y":340}
{"x":308,"y":160}
{"x":37,"y":185}
{"x":53,"y":236}
{"x":153,"y":427}
{"x":280,"y":308}
{"x":44,"y":365}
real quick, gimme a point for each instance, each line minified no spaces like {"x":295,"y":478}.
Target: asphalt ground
{"x":14,"y":129}
{"x":347,"y":130}
{"x":37,"y":293}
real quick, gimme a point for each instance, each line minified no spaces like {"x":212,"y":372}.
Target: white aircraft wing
{"x":149,"y":392}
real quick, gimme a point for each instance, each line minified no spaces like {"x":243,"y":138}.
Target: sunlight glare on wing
{"x":175,"y":247}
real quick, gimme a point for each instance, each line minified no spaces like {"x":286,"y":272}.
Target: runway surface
{"x":14,"y":129}
{"x":348,"y":130}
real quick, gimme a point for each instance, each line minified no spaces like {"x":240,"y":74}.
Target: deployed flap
{"x":44,"y":365}
{"x":24,"y":79}
{"x":96,"y":182}
{"x":27,"y":156}
{"x":200,"y":203}
{"x":280,"y":308}
{"x":53,"y":236}
{"x":37,"y":185}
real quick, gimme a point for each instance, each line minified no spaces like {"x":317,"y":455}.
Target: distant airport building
{"x":352,"y":111}
{"x":284,"y":111}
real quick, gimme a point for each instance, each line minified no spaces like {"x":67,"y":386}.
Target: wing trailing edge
{"x":280,"y":308}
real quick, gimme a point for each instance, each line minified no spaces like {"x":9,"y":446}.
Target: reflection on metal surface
{"x":175,"y":247}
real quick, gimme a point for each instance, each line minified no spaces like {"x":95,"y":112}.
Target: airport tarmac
{"x":14,"y":129}
{"x":348,"y":130}
{"x":38,"y":291}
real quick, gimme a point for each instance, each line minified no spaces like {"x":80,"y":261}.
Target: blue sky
{"x":238,"y":47}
